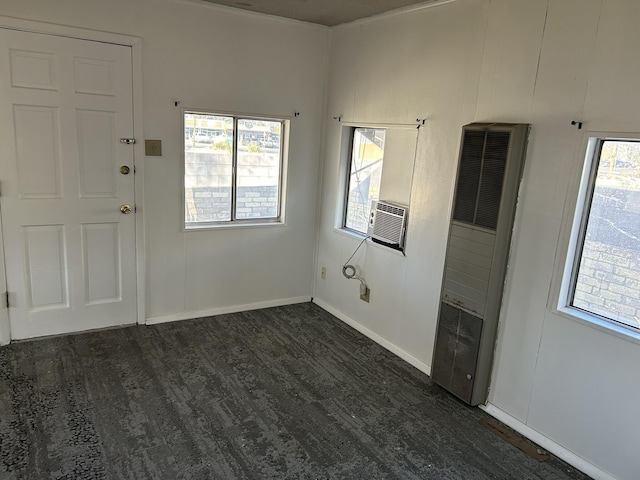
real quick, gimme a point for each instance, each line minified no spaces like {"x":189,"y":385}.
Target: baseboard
{"x":546,"y":443}
{"x":407,"y":357}
{"x":223,"y":310}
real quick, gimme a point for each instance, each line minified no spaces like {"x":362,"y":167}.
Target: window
{"x":365,"y":173}
{"x":233,"y":169}
{"x":605,"y":278}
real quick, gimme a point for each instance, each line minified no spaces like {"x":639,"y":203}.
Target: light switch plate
{"x":153,"y":148}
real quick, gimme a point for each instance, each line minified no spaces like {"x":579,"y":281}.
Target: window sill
{"x":232,"y":226}
{"x":360,"y":236}
{"x":593,"y":321}
{"x":350,"y":233}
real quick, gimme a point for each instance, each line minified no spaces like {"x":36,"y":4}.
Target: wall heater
{"x":489,"y":172}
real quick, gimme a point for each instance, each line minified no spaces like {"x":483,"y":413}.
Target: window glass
{"x":232,"y":169}
{"x":208,"y":168}
{"x":258,"y":177}
{"x":365,"y":172}
{"x":607,"y":280}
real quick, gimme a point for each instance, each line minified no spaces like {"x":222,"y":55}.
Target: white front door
{"x":65,"y":104}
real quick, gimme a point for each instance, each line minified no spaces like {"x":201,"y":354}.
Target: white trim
{"x":135,"y":43}
{"x":223,"y":310}
{"x":252,"y":14}
{"x":407,"y":357}
{"x":5,"y":326}
{"x":380,"y":16}
{"x":548,"y":444}
{"x":386,"y":126}
{"x":347,"y":232}
{"x":396,"y":12}
{"x":229,"y":225}
{"x":13,"y":23}
{"x":138,"y":158}
{"x":344,"y":161}
{"x":602,"y":324}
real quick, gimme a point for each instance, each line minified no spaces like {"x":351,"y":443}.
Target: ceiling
{"x":323,"y":12}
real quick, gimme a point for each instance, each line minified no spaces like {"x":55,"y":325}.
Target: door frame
{"x":135,"y":43}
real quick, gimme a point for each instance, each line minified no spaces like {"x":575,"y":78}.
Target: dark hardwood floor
{"x":281,"y":393}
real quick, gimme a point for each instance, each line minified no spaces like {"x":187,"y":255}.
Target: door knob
{"x":124,"y":170}
{"x":126,"y":209}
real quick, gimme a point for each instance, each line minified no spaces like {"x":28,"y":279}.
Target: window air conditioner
{"x":388,"y":224}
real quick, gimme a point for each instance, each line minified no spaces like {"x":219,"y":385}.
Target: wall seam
{"x":321,"y":163}
{"x":535,"y":81}
{"x":533,"y":96}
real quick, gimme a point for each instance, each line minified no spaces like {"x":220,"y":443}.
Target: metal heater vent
{"x":387,"y":224}
{"x":489,"y":171}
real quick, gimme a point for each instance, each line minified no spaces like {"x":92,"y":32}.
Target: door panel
{"x":69,"y":251}
{"x":38,"y":162}
{"x":97,"y":153}
{"x":101,"y":262}
{"x":45,"y":267}
{"x":32,"y":69}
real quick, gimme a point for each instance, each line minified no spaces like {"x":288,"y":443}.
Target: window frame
{"x":575,"y":222}
{"x":234,"y":222}
{"x":348,"y":154}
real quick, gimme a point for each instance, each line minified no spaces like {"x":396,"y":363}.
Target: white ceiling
{"x":323,"y":12}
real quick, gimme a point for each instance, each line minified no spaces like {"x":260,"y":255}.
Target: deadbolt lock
{"x":124,"y":170}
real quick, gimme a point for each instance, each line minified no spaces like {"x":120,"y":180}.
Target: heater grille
{"x":387,"y":223}
{"x":481,"y":174}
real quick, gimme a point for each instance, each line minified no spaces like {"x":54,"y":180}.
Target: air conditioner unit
{"x":388,"y":224}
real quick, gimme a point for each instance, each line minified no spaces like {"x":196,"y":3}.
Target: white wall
{"x":534,"y":61}
{"x":423,"y":64}
{"x":210,"y":57}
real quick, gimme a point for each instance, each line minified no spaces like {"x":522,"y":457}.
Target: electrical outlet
{"x":365,"y":296}
{"x":323,"y":273}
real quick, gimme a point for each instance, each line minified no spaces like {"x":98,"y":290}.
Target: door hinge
{"x":6,"y":299}
{"x":128,"y":141}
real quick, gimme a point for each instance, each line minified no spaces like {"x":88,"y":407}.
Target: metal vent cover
{"x":480,"y":177}
{"x":387,"y":223}
{"x":456,"y":351}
